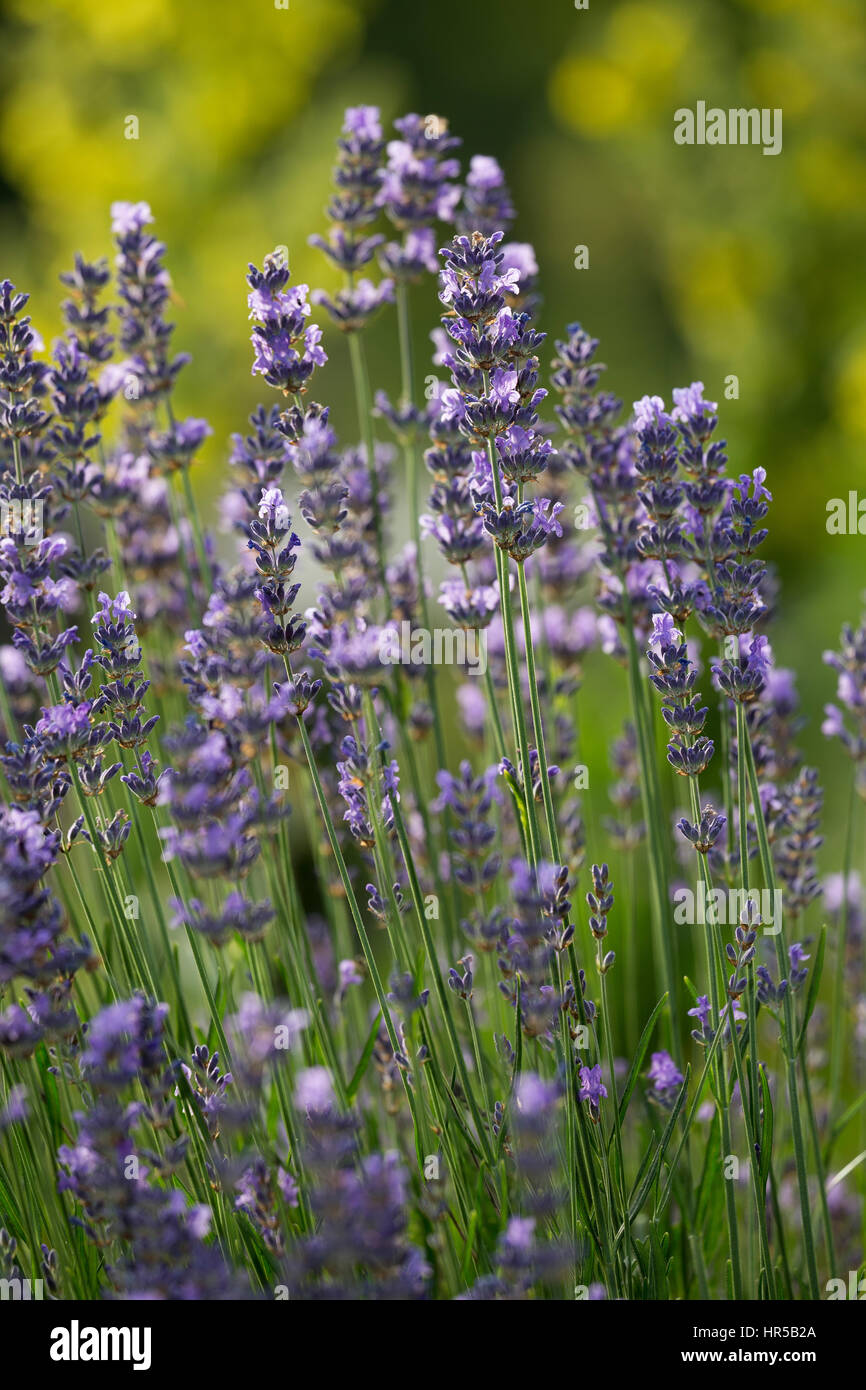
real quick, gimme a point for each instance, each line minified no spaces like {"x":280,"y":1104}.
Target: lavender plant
{"x":305,"y":985}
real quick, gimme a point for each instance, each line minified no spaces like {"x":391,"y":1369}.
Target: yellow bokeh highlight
{"x":649,"y":41}
{"x":849,"y":392}
{"x":227,"y":155}
{"x":831,"y":176}
{"x":594,"y":96}
{"x":779,"y":7}
{"x":126,"y":33}
{"x":608,"y":92}
{"x":779,"y":80}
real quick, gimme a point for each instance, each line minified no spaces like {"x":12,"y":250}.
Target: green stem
{"x":789,"y":1040}
{"x":365,"y":425}
{"x":357,"y":918}
{"x":722,"y":1089}
{"x":204,"y":564}
{"x":837,"y":1027}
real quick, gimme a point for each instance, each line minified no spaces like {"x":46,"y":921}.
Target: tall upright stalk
{"x":789,"y":1036}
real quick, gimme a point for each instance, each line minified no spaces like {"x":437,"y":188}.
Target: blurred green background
{"x":703,"y":261}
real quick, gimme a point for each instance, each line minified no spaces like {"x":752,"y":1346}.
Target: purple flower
{"x":592,"y":1088}
{"x":690,"y":407}
{"x":129,"y":217}
{"x":415,"y":183}
{"x":16,"y":1109}
{"x":351,"y":309}
{"x":470,"y":608}
{"x":363,"y":122}
{"x":649,"y":413}
{"x":796,"y":959}
{"x":535,"y":1096}
{"x":665,"y":1076}
{"x":520,"y":1233}
{"x":349,"y":975}
{"x":287,"y":348}
{"x":664,"y":633}
{"x":65,"y":729}
{"x":850,"y":665}
{"x":705,"y":834}
{"x":409,"y":259}
{"x":838,"y":892}
{"x":486,"y":205}
{"x":756,"y":483}
{"x":702,"y":1013}
{"x":176,"y":446}
{"x":314,"y":1090}
{"x":113,"y":611}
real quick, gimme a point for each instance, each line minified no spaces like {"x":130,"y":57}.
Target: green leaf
{"x":50,"y":1093}
{"x":466,"y":1262}
{"x":814,"y":986}
{"x":655,"y":1166}
{"x":634,"y":1070}
{"x":363,"y":1064}
{"x":848,"y":1116}
{"x":766,"y":1129}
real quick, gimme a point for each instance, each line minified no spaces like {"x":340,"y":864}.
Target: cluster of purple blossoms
{"x":624,"y":829}
{"x":486,"y":440}
{"x":661,"y":536}
{"x":22,"y":384}
{"x":353,"y":208}
{"x":78,"y":405}
{"x":208,"y":1086}
{"x":262,"y":1035}
{"x":41,"y":578}
{"x":736,"y":604}
{"x":356,"y":180}
{"x":474,"y":862}
{"x":703,"y":531}
{"x":592,"y":1089}
{"x":38,"y":564}
{"x":37,"y":598}
{"x":341,"y":507}
{"x":218,"y":816}
{"x":83,"y":314}
{"x":769,"y":992}
{"x":261,"y":1194}
{"x":486,"y":205}
{"x":118,"y":652}
{"x":602,"y":452}
{"x":226,"y":661}
{"x":600,"y":902}
{"x":369,"y":786}
{"x":793,"y":824}
{"x":740,"y":955}
{"x":155,"y":1244}
{"x":417,"y":189}
{"x":34,"y":950}
{"x":134,"y":487}
{"x":360,"y":1248}
{"x":145,"y":288}
{"x":672,"y":673}
{"x":528,"y":1255}
{"x":275,"y":545}
{"x":849,"y":663}
{"x":287,"y":348}
{"x":530,"y":940}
